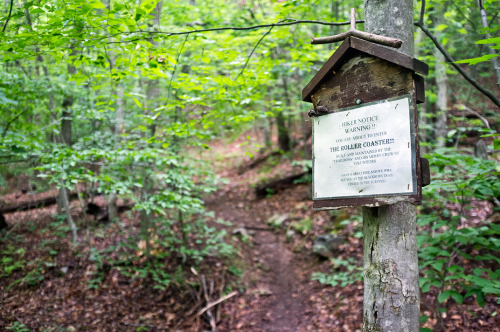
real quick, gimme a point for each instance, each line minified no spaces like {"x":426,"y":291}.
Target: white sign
{"x":367,"y":150}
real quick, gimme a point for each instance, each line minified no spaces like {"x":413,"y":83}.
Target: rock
{"x":277,"y":220}
{"x":241,"y":231}
{"x":290,"y":234}
{"x":326,"y":245}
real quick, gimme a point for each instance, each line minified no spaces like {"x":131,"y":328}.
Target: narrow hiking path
{"x":275,"y":276}
{"x":277,"y":259}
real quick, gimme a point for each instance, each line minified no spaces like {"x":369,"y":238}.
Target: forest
{"x":155,"y":168}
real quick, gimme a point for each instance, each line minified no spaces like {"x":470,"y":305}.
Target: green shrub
{"x":457,"y":257}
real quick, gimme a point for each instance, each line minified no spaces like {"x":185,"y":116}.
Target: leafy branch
{"x":439,"y":46}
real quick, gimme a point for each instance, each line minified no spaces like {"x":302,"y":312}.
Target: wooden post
{"x":391,"y":289}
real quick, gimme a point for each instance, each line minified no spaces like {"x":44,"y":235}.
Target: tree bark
{"x":64,"y":196}
{"x":392,"y":296}
{"x":391,"y":18}
{"x":119,"y":130}
{"x":283,"y":136}
{"x":66,"y":137}
{"x":442,"y":99}
{"x":422,"y":111}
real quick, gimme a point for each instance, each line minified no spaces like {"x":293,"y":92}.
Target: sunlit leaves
{"x":495,"y":41}
{"x":475,"y":61}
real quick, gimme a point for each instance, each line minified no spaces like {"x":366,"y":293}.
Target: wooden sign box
{"x":358,"y":73}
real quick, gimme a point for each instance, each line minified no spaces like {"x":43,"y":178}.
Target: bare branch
{"x":253,"y":50}
{"x":465,"y":17}
{"x":422,"y":13}
{"x":214,"y":303}
{"x":448,"y":58}
{"x":476,"y":114}
{"x":8,"y":17}
{"x":254,"y":27}
{"x":392,"y":42}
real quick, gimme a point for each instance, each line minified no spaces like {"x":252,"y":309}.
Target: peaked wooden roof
{"x":349,"y":48}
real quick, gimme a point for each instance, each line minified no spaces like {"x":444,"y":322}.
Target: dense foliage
{"x":123,"y":98}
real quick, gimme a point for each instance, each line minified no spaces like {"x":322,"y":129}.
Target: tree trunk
{"x":112,"y":207}
{"x":119,"y":129}
{"x":422,"y":111}
{"x":64,"y":197}
{"x":66,"y":138}
{"x":494,"y":61}
{"x":442,"y":99}
{"x":391,"y":18}
{"x":283,"y":136}
{"x":67,"y":120}
{"x":392,"y":296}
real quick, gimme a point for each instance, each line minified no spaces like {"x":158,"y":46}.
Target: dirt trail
{"x":275,"y":276}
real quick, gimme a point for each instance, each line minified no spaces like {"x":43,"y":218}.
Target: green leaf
{"x":98,"y":5}
{"x":137,"y":102}
{"x":480,"y":299}
{"x":441,"y":27}
{"x":438,"y":265}
{"x":4,"y":100}
{"x":444,"y":296}
{"x":495,"y":40}
{"x":475,"y":61}
{"x":496,"y":144}
{"x":457,"y":297}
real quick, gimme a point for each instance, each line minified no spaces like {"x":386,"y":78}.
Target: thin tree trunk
{"x":64,"y":197}
{"x":494,"y":61}
{"x":392,"y":297}
{"x":442,"y":99}
{"x":283,"y":136}
{"x":422,"y":119}
{"x":66,"y":137}
{"x":288,"y":105}
{"x":119,"y":129}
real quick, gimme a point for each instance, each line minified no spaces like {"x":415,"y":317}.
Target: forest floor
{"x":53,"y":286}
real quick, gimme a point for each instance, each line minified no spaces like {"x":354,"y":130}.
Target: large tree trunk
{"x":392,"y":297}
{"x":391,"y":18}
